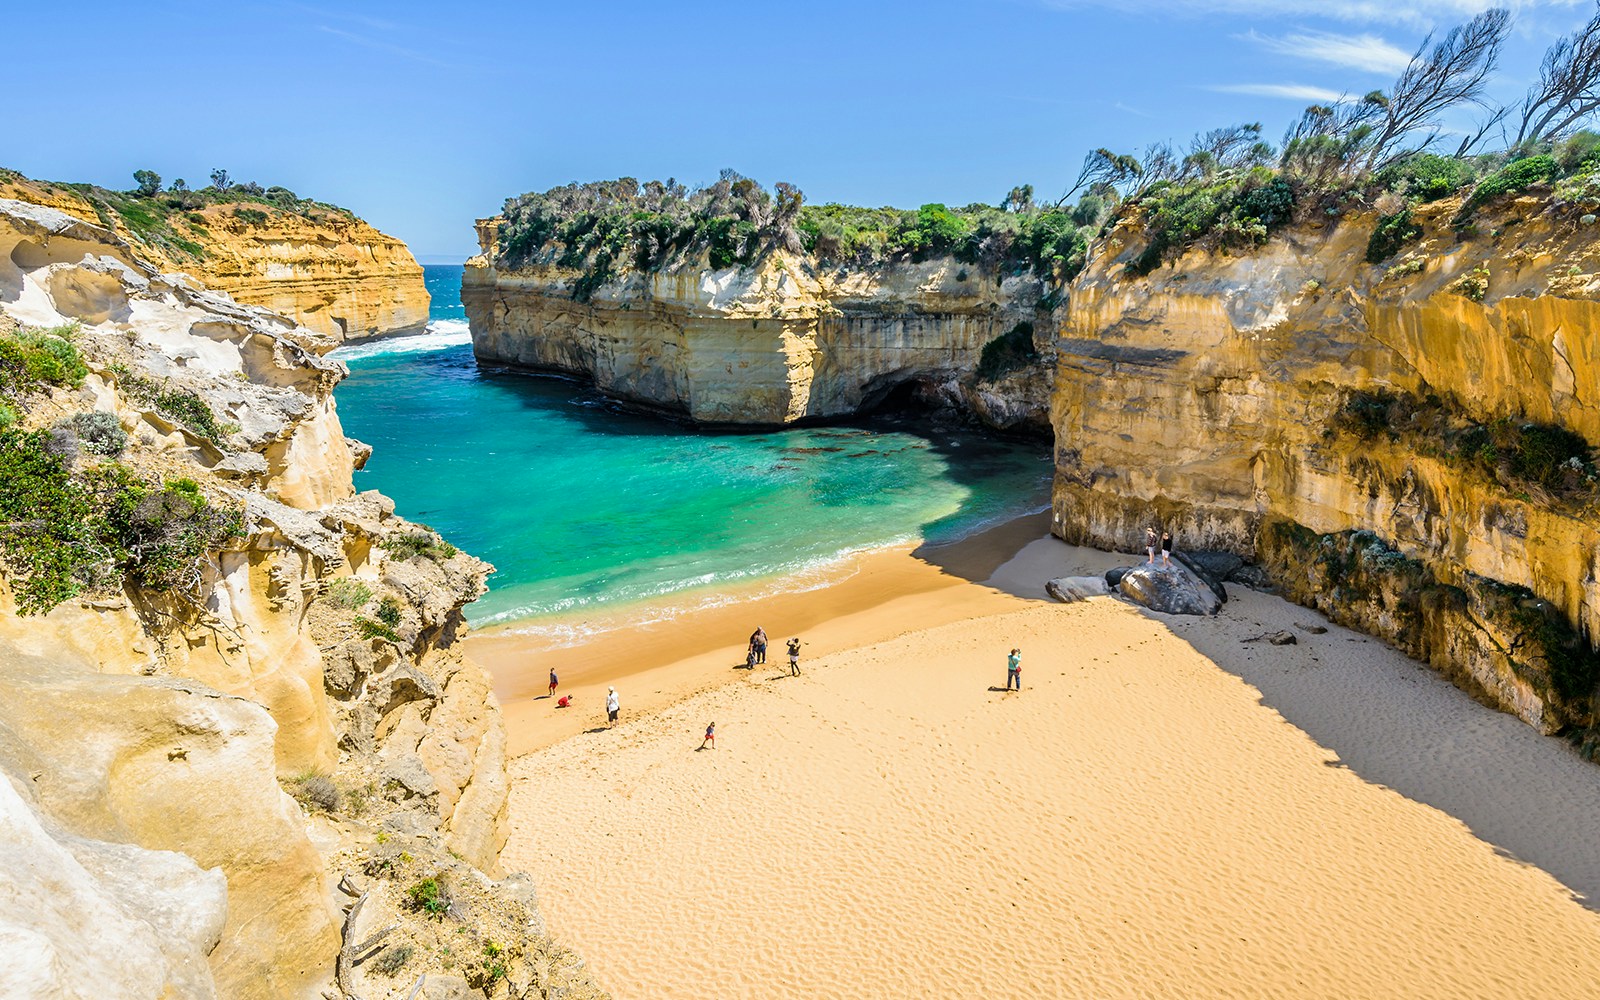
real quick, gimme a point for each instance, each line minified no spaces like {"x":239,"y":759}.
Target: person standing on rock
{"x":1166,"y":548}
{"x":794,"y":657}
{"x":1150,"y":541}
{"x":613,"y":705}
{"x":553,"y":681}
{"x":1014,"y":670}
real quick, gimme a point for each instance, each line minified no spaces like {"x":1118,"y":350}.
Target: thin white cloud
{"x":382,"y":46}
{"x":1412,"y":12}
{"x":1288,"y":91}
{"x":1364,"y":52}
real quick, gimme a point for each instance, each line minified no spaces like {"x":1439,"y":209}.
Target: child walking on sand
{"x":711,"y":737}
{"x":1014,"y":669}
{"x":553,"y":681}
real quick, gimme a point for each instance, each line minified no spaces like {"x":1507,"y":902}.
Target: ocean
{"x":582,"y":507}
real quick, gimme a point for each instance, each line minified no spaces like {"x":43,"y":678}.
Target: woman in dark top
{"x":1166,"y":548}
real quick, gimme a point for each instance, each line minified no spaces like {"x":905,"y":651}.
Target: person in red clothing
{"x":711,"y":737}
{"x":553,"y":681}
{"x":565,"y":701}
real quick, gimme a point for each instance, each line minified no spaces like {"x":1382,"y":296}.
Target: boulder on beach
{"x":1170,"y":589}
{"x":1072,"y":589}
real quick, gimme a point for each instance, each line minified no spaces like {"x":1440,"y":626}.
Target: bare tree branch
{"x":1568,"y":89}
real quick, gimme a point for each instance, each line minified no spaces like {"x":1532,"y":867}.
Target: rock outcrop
{"x":321,"y":267}
{"x":784,"y":340}
{"x":191,"y":769}
{"x":1292,"y":404}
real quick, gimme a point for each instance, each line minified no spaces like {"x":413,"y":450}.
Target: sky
{"x":424,"y":116}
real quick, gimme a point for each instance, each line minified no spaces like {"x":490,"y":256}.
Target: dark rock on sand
{"x":1173,"y":589}
{"x":1072,"y":589}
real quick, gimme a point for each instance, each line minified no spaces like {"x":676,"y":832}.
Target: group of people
{"x":757,"y":651}
{"x":1153,"y":542}
{"x":613,"y":701}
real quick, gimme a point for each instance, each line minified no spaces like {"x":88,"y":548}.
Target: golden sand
{"x":1135,"y":823}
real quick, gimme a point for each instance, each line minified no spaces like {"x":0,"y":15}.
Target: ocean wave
{"x":634,"y":607}
{"x":442,"y":334}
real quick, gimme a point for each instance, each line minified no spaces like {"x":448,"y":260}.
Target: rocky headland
{"x":758,"y":329}
{"x":242,"y":754}
{"x":317,"y":264}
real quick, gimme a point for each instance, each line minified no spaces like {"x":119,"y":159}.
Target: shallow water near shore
{"x":581,"y":506}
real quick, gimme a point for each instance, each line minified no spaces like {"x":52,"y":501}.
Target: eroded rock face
{"x":311,"y":653}
{"x":782,"y":341}
{"x":1205,"y":398}
{"x":334,"y":274}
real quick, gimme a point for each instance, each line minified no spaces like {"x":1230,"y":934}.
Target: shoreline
{"x":658,"y":660}
{"x":1168,"y":808}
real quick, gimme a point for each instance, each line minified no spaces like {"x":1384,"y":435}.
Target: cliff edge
{"x":242,"y":755}
{"x":317,"y":264}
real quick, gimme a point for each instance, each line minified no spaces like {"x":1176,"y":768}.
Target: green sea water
{"x":583,"y":507}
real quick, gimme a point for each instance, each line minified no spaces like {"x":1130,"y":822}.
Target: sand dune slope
{"x":1134,"y":824}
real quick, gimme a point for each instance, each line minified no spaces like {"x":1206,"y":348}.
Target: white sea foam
{"x":442,"y":333}
{"x":557,"y":622}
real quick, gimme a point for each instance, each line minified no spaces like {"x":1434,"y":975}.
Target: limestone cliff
{"x":318,"y":265}
{"x":218,"y":771}
{"x":784,"y":340}
{"x":1347,"y":424}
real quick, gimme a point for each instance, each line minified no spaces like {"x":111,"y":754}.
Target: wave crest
{"x":442,"y":334}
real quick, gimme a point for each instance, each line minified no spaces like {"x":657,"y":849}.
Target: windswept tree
{"x":220,"y":179}
{"x":1567,"y":93}
{"x":1449,"y":74}
{"x":147,"y":182}
{"x":1103,"y":167}
{"x":1019,"y":199}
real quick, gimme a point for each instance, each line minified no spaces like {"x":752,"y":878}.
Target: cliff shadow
{"x":1394,"y":722}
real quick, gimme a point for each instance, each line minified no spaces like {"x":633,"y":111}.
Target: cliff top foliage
{"x":603,"y":228}
{"x":170,"y":217}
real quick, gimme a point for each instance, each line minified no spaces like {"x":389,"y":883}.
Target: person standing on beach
{"x":711,"y":737}
{"x":1166,"y":548}
{"x":758,"y":644}
{"x":794,"y":657}
{"x":553,"y":681}
{"x":613,"y":705}
{"x":1014,"y":669}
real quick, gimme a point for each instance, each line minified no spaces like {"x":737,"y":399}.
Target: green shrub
{"x":1576,"y":151}
{"x":1007,"y":352}
{"x":316,"y":790}
{"x":348,"y":593}
{"x":33,"y":359}
{"x":181,"y":406}
{"x":250,"y":216}
{"x":100,"y":433}
{"x":1474,"y":284}
{"x":418,"y":543}
{"x":429,"y":896}
{"x":389,"y":611}
{"x":369,"y":629}
{"x":1239,"y":210}
{"x":1391,"y":233}
{"x":1425,"y":176}
{"x":53,"y":541}
{"x":166,"y":531}
{"x":1514,"y":176}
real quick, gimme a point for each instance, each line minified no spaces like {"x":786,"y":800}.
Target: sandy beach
{"x":1165,"y":810}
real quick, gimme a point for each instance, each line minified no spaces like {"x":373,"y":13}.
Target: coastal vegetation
{"x":1525,"y":458}
{"x":177,"y":218}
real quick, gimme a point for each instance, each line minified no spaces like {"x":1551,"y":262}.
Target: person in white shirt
{"x":613,"y":706}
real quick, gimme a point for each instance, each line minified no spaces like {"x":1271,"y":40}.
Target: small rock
{"x":1282,"y":638}
{"x":1313,"y":629}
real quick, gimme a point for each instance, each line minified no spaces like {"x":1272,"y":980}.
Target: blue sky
{"x":421,"y":117}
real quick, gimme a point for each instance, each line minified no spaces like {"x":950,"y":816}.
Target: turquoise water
{"x":581,"y":507}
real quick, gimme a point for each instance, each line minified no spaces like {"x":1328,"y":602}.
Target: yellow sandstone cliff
{"x":1339,"y":422}
{"x":321,"y":266}
{"x":278,"y":779}
{"x":784,"y":340}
